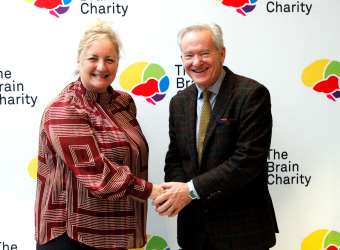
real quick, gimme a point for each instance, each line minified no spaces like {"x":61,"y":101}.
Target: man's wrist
{"x":192,"y":191}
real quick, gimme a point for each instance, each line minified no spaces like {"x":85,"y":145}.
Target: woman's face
{"x":98,"y":65}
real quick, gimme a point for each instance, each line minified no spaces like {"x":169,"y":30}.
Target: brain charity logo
{"x":145,"y":79}
{"x":322,"y":239}
{"x":323,"y":76}
{"x":56,"y":7}
{"x":242,"y":6}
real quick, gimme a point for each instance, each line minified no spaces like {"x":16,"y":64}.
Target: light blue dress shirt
{"x":214,"y":89}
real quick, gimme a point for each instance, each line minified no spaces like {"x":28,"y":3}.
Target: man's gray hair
{"x":197,"y":26}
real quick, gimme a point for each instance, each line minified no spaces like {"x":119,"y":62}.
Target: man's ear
{"x":222,"y":54}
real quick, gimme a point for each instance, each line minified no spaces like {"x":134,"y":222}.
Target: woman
{"x":92,"y":186}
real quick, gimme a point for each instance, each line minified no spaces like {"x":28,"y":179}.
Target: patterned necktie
{"x":205,"y":116}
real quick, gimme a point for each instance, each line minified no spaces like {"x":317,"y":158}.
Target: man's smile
{"x":199,"y":70}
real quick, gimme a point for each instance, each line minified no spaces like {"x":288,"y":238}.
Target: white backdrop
{"x":38,"y":56}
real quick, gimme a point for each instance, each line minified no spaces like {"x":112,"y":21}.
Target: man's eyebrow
{"x":190,"y":52}
{"x":187,"y":52}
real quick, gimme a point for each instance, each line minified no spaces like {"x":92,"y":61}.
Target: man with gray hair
{"x":216,"y":165}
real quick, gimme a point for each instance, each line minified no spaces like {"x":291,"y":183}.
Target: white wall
{"x":39,"y":51}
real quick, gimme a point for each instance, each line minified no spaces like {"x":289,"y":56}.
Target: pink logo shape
{"x":327,"y":86}
{"x":235,"y":3}
{"x":242,"y":6}
{"x":146,"y":89}
{"x":56,"y":7}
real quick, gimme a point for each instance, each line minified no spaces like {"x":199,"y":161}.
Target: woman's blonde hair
{"x":95,"y":32}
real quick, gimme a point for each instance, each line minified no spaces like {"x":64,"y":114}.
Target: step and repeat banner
{"x":292,"y":47}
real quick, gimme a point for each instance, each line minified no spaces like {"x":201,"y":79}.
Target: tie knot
{"x":206,"y":94}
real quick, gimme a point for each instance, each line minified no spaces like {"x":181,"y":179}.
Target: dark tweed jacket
{"x":235,"y":208}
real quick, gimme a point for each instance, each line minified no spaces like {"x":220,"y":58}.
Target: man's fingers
{"x":160,"y":199}
{"x":173,"y":213}
{"x":163,"y":207}
{"x":166,"y":185}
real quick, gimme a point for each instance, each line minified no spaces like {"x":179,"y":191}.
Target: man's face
{"x":201,"y":60}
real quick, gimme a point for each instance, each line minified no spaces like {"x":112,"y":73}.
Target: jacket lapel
{"x":190,"y":109}
{"x":222,"y":101}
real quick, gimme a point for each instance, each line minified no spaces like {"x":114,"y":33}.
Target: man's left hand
{"x":176,"y":197}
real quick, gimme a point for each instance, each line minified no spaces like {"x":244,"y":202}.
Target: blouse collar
{"x":100,"y":98}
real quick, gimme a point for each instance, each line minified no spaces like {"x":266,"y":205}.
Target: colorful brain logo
{"x":56,"y":7}
{"x":155,"y":243}
{"x":323,"y":76}
{"x":242,"y":6}
{"x":145,"y":79}
{"x":322,"y":239}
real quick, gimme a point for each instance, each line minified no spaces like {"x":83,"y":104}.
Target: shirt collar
{"x":214,"y":88}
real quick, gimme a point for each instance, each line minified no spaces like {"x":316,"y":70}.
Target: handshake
{"x":170,"y":197}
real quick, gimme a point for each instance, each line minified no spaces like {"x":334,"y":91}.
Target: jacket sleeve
{"x":173,"y":164}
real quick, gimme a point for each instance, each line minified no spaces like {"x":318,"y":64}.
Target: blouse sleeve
{"x":70,"y":138}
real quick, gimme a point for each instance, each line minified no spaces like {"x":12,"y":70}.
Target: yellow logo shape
{"x":33,"y":168}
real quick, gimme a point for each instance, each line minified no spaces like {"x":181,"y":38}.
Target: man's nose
{"x":197,"y":60}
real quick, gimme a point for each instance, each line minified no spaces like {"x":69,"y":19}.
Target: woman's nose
{"x":101,"y":65}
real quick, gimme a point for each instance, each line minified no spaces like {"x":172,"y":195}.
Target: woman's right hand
{"x":157,"y":190}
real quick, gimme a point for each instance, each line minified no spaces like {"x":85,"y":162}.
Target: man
{"x":218,"y":182}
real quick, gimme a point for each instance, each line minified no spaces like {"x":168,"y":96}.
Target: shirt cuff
{"x":142,"y":189}
{"x":192,"y":187}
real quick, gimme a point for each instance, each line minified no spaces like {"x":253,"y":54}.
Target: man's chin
{"x":202,"y":84}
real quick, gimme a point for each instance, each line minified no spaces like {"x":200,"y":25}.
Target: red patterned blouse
{"x":92,"y":170}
